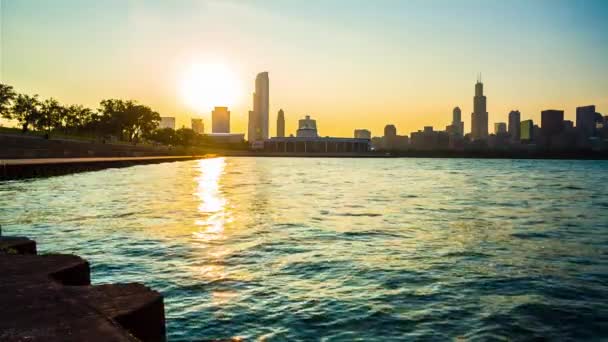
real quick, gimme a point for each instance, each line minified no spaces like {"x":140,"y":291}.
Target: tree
{"x":111,"y":117}
{"x":165,"y":136}
{"x":128,"y":119}
{"x":51,"y":116}
{"x":26,"y":110}
{"x":7,"y":95}
{"x":140,"y":120}
{"x":186,"y":137}
{"x":76,"y":117}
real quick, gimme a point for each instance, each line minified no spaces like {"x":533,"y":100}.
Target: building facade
{"x":514,"y":125}
{"x":457,"y":126}
{"x":390,"y":131}
{"x":362,"y":134}
{"x":479,"y":117}
{"x":198,"y":126}
{"x":428,"y":139}
{"x":307,"y":140}
{"x":500,"y":128}
{"x":585,"y":121}
{"x":552,"y":122}
{"x":316,"y":145}
{"x":167,"y":122}
{"x":220,"y":120}
{"x":307,"y":128}
{"x":281,"y":124}
{"x":258,"y":117}
{"x":526,"y":131}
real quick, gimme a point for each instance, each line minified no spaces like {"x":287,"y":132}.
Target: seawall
{"x":50,"y":298}
{"x":15,"y":146}
{"x":45,"y":167}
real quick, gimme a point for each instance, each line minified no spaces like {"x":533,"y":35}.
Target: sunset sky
{"x":348,"y":64}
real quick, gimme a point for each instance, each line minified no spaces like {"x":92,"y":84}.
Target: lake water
{"x":340,"y":249}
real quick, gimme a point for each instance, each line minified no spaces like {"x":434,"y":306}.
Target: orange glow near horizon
{"x":327,"y":60}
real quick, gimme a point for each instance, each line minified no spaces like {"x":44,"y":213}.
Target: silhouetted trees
{"x":49,"y":116}
{"x":7,"y":94}
{"x":26,"y":110}
{"x":166,"y":136}
{"x":124,"y":119}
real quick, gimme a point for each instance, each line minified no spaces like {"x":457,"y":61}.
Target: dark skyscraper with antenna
{"x":479,"y":117}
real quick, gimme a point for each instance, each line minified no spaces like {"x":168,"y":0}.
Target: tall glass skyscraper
{"x":258,"y":117}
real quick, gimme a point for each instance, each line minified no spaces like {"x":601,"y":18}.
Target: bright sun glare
{"x":204,"y":86}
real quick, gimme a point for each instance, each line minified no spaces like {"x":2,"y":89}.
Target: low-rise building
{"x":428,"y":139}
{"x":197,"y":125}
{"x":362,"y":134}
{"x":167,"y":122}
{"x":316,"y":145}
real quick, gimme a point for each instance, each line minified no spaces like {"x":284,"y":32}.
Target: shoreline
{"x":24,"y":168}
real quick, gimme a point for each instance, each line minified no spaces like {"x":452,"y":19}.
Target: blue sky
{"x":349,"y":64}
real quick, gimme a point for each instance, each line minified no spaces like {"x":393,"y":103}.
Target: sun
{"x":204,"y":86}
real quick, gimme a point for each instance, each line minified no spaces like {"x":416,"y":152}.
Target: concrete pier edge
{"x":50,"y":298}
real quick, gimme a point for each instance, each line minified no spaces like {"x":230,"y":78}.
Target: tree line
{"x":124,"y":119}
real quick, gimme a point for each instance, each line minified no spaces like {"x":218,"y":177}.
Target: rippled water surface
{"x":340,"y":249}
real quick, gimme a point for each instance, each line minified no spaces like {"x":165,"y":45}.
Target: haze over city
{"x":358,"y":66}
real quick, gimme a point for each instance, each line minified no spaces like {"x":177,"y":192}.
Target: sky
{"x":347,"y":63}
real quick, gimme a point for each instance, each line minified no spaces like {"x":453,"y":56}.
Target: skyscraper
{"x":252,"y":126}
{"x":500,"y":128}
{"x":457,"y":124}
{"x":220,"y":120}
{"x":479,"y":117}
{"x":281,"y":124}
{"x":514,"y":125}
{"x":258,"y":117}
{"x":585,"y":120}
{"x":527,"y":130}
{"x":551,"y":122}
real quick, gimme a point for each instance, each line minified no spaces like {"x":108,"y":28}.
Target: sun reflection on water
{"x":212,"y":207}
{"x":214,"y":215}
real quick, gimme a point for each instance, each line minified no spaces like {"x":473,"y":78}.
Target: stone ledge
{"x":48,"y":298}
{"x":17,"y":245}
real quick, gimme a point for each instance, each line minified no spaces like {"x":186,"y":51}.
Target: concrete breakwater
{"x":50,"y":298}
{"x":30,"y":168}
{"x":15,"y":146}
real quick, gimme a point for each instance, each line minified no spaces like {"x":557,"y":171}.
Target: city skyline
{"x":409,"y":73}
